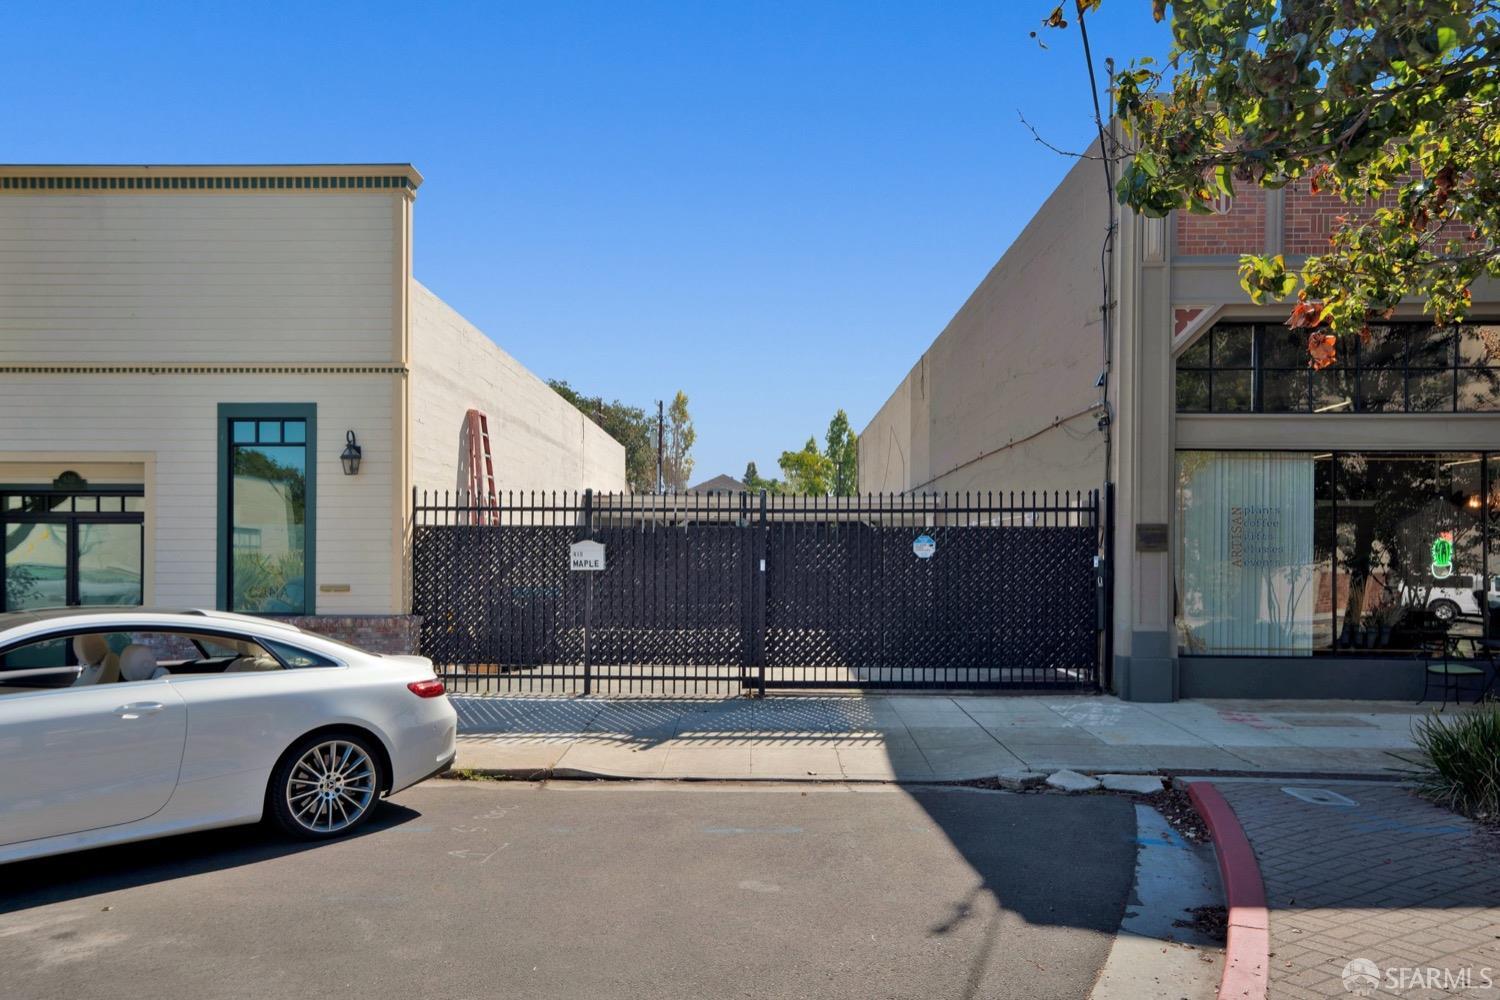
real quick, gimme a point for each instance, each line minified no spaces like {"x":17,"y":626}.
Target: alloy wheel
{"x":331,"y":786}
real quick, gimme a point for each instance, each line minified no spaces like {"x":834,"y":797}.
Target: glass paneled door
{"x":65,"y":548}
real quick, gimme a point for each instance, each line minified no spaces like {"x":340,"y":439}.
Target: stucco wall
{"x":885,"y":445}
{"x":167,"y":427}
{"x":1004,"y":397}
{"x":207,"y":277}
{"x":538,"y":440}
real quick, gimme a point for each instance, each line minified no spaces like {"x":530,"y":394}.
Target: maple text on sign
{"x":587,"y":556}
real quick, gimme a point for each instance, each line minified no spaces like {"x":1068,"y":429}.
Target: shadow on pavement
{"x":1085,"y":844}
{"x":124,"y":866}
{"x":647,"y":722}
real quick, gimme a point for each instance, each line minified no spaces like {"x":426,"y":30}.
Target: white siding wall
{"x":538,"y":440}
{"x":174,"y":419}
{"x":205,"y":277}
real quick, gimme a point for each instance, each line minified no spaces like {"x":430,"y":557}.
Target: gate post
{"x":761,"y":538}
{"x":1105,"y":678}
{"x":588,"y":593}
{"x":588,"y":613}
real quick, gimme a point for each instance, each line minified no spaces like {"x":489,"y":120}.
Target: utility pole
{"x":661,"y":469}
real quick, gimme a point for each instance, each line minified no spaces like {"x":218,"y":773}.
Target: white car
{"x":124,"y":724}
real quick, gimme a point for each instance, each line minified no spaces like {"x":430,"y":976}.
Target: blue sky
{"x":773,"y":206}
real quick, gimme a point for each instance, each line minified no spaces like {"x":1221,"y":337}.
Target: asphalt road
{"x":479,"y":890}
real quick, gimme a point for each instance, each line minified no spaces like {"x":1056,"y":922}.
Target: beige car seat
{"x":251,"y":658}
{"x":100,"y":665}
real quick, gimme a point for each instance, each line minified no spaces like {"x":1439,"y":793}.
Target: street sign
{"x":924,"y":547}
{"x":587,"y":556}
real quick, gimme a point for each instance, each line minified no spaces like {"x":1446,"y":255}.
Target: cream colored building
{"x":168,"y":332}
{"x":1279,"y":531}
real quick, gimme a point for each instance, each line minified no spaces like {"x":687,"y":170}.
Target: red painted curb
{"x":1247,"y":950}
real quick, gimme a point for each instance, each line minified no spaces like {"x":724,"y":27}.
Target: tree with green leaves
{"x":629,"y":425}
{"x":843,"y":456}
{"x":1393,"y":106}
{"x":677,"y":464}
{"x":807,"y":471}
{"x":755,"y":484}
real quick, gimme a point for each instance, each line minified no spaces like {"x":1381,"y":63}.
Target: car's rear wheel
{"x":325,"y":786}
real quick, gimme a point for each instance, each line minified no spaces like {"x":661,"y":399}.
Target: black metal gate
{"x":723,"y":593}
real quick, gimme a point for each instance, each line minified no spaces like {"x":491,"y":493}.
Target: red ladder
{"x":481,"y":485}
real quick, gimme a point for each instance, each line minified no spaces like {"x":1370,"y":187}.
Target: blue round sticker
{"x":924,"y":547}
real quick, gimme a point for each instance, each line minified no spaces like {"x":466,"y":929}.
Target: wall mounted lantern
{"x":351,"y":455}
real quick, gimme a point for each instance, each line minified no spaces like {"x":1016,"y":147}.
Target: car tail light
{"x":430,"y":688}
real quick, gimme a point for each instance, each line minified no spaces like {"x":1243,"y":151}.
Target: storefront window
{"x":1410,"y":547}
{"x":69,"y":548}
{"x":1291,"y":553}
{"x":1247,"y":566}
{"x":1491,"y":509}
{"x":1396,"y":368}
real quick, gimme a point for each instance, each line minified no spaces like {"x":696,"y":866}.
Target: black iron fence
{"x":726,"y":592}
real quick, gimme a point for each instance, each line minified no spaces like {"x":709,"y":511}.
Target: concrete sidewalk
{"x":927,"y":737}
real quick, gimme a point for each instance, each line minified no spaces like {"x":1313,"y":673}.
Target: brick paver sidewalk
{"x":1392,"y":879}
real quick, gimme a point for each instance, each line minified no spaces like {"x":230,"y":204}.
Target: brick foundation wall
{"x":165,"y":645}
{"x":377,"y":633}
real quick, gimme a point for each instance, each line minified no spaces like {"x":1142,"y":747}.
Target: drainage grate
{"x":1321,"y":797}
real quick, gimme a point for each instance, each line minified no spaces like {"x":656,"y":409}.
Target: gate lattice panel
{"x":719,"y":593}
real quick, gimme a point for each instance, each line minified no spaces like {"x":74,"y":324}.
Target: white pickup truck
{"x":1456,"y":595}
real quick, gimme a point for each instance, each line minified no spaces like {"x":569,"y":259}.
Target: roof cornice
{"x":210,"y":177}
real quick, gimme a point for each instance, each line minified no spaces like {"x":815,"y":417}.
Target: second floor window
{"x":1402,"y":368}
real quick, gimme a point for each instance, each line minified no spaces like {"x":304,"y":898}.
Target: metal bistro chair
{"x":1438,"y":652}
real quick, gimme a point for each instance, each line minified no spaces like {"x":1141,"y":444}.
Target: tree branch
{"x":1056,"y":149}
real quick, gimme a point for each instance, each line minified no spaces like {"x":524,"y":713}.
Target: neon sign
{"x":1442,"y":555}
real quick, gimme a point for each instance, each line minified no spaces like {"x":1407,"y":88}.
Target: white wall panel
{"x":538,"y":439}
{"x":197,"y":277}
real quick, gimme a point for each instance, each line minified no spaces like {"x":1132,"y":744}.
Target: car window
{"x":89,"y":657}
{"x":295,"y":657}
{"x":48,"y":663}
{"x":81,"y":658}
{"x":214,"y":646}
{"x":165,"y":646}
